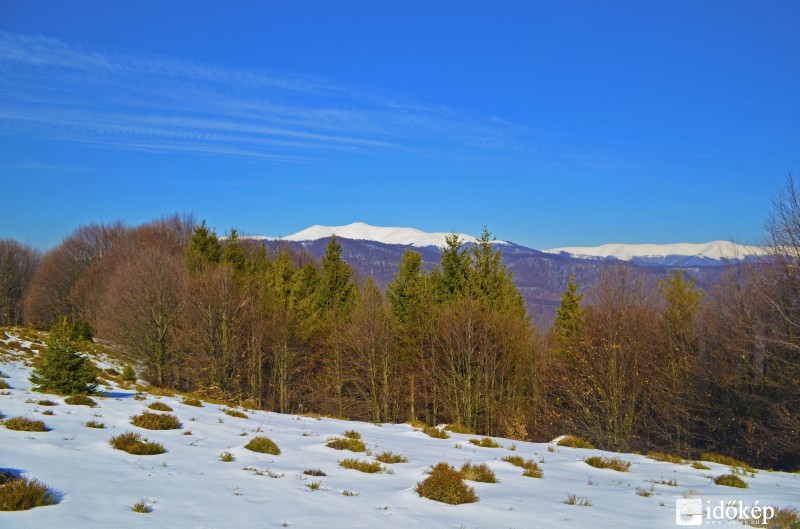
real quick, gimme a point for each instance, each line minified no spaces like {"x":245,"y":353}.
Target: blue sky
{"x":553,"y":123}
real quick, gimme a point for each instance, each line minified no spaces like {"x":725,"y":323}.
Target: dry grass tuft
{"x":573,"y":441}
{"x":234,"y":413}
{"x":574,"y":499}
{"x":95,"y":424}
{"x":445,"y":484}
{"x":614,"y":463}
{"x":159,"y":406}
{"x":354,"y":445}
{"x":667,"y":458}
{"x":369,"y":467}
{"x":191,"y":401}
{"x":80,"y":400}
{"x":390,"y":458}
{"x":480,"y":473}
{"x":226,"y":457}
{"x":486,"y":442}
{"x":141,"y":507}
{"x":314,"y":472}
{"x":135,"y":444}
{"x":531,"y":468}
{"x":263,"y":445}
{"x":730,"y":480}
{"x":459,"y":428}
{"x":23,"y":424}
{"x":726,"y":460}
{"x":436,"y":433}
{"x":156,"y":421}
{"x":351,"y":434}
{"x":20,"y":493}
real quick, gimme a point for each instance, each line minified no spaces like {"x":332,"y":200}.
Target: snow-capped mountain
{"x":685,"y":254}
{"x":386,"y":235}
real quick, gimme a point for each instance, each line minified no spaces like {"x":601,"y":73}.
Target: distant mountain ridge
{"x":679,"y":254}
{"x":360,"y":231}
{"x":540,"y":276}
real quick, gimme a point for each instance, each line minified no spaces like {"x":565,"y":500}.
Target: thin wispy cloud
{"x":56,"y":90}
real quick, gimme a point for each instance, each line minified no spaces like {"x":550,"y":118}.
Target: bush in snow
{"x":159,"y":406}
{"x":135,"y":444}
{"x":21,"y":493}
{"x":23,"y":424}
{"x":480,"y":472}
{"x":156,"y":421}
{"x":264,"y":445}
{"x":80,"y":400}
{"x":573,"y":441}
{"x":730,"y":480}
{"x":446,"y":485}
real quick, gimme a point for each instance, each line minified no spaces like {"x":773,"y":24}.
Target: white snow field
{"x":190,"y":487}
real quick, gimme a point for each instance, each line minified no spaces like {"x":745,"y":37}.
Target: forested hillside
{"x":631,"y":362}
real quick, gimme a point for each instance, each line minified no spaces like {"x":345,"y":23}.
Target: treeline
{"x":629,"y":363}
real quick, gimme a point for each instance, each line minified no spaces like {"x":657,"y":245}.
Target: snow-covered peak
{"x":386,"y":235}
{"x":626,"y":252}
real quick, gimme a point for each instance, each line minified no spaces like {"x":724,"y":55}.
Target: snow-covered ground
{"x":190,"y":487}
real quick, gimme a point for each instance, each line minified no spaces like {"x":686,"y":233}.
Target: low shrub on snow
{"x":486,"y":442}
{"x":159,"y":406}
{"x":369,"y":467}
{"x":24,"y":424}
{"x":191,"y":401}
{"x":459,"y":428}
{"x":19,"y":493}
{"x":263,"y":445}
{"x":156,"y":421}
{"x":573,"y":441}
{"x":478,"y":472}
{"x":436,"y":433}
{"x":80,"y":400}
{"x":727,"y":460}
{"x":730,"y":480}
{"x":531,"y":469}
{"x":135,"y":444}
{"x":234,"y":413}
{"x":339,"y":443}
{"x":390,"y":458}
{"x":614,"y":463}
{"x":445,"y":484}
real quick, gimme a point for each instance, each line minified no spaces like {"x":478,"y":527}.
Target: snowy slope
{"x":189,"y":487}
{"x":626,"y":252}
{"x":386,"y":235}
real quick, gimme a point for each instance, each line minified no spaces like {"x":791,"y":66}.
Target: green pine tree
{"x":64,"y":370}
{"x":490,"y":280}
{"x":233,"y":252}
{"x":204,"y":249}
{"x":453,"y":279}
{"x":406,"y":289}
{"x":336,"y":288}
{"x":570,"y":319}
